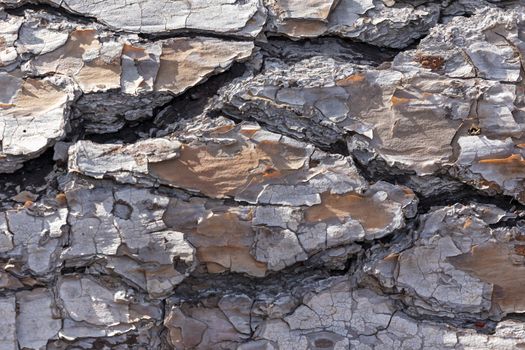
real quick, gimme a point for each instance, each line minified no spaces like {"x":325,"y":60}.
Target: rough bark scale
{"x":262,"y":174}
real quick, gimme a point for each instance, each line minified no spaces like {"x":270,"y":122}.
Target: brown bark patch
{"x":492,"y":263}
{"x":431,"y":62}
{"x":372,"y":214}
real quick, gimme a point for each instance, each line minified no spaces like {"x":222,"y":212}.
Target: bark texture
{"x":262,"y":174}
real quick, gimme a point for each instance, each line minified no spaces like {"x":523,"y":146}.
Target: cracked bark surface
{"x":262,"y":174}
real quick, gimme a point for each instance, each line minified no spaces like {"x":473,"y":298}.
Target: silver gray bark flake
{"x":242,"y":18}
{"x":370,"y":21}
{"x":262,"y":174}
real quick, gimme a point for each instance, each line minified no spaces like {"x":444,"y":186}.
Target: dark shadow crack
{"x":36,"y":176}
{"x":452,"y":191}
{"x":292,"y":51}
{"x":19,"y":10}
{"x":195,"y":100}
